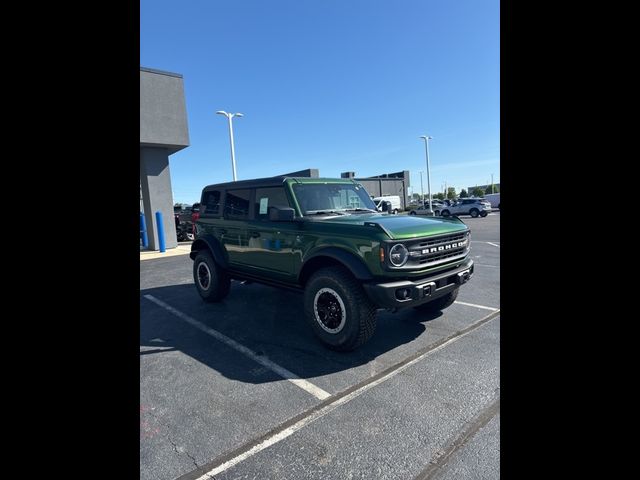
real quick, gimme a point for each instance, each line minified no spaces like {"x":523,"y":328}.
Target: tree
{"x":451,"y":193}
{"x":439,"y":196}
{"x":463,"y":193}
{"x":488,"y":189}
{"x":478,"y":192}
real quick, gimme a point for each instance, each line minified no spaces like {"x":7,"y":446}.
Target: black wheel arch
{"x":209,"y":242}
{"x":334,"y":256}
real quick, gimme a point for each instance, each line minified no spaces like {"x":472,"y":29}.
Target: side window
{"x":236,"y":204}
{"x":269,"y":197}
{"x":211,"y":203}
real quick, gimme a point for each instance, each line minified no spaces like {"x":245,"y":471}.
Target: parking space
{"x":389,"y":431}
{"x":211,"y":389}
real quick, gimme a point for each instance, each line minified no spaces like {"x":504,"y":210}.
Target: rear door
{"x":233,"y":232}
{"x":466,"y":206}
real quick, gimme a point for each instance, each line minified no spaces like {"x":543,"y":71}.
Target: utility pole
{"x":233,"y":154}
{"x":492,"y":183}
{"x":421,"y":188}
{"x":426,"y":150}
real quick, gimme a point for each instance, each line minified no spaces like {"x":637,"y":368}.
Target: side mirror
{"x":386,"y":207}
{"x":281,"y":214}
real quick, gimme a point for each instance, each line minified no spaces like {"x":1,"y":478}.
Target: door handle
{"x":255,"y":234}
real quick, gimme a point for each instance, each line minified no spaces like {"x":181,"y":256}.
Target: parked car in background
{"x":183,"y":215}
{"x":436,"y":206}
{"x":195,"y":212}
{"x":468,"y":206}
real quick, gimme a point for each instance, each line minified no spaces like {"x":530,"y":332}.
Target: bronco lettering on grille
{"x":444,"y":247}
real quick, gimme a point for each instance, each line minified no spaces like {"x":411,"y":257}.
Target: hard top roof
{"x":274,"y":182}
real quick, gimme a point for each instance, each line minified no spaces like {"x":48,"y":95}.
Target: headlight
{"x":398,"y":255}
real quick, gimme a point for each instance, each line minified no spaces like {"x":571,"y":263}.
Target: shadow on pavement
{"x":266,"y":320}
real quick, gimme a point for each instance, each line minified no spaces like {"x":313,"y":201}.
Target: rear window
{"x":210,"y":203}
{"x":236,"y":204}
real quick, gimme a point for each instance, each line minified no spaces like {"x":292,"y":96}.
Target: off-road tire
{"x":439,"y":303}
{"x":357,"y":324}
{"x":212,"y":281}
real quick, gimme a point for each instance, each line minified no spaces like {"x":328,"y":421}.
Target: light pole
{"x":492,"y":183}
{"x":421,"y":189}
{"x":233,"y":153}
{"x":426,"y":146}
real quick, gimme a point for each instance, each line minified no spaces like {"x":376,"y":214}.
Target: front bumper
{"x":417,"y":292}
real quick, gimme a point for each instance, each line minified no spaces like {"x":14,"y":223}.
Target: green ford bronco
{"x":325,"y":237}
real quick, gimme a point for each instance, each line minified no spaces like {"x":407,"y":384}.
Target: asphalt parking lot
{"x":242,"y":389}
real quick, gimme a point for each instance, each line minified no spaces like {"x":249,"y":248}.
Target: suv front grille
{"x":436,"y":250}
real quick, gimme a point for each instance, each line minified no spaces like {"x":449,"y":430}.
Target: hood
{"x":400,"y":227}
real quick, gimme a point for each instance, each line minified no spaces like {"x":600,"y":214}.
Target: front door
{"x":271,"y":244}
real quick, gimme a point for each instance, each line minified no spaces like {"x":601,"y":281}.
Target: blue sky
{"x":338,"y":85}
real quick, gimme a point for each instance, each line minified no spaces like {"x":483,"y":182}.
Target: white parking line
{"x":477,"y":306}
{"x":309,"y":387}
{"x":210,"y":475}
{"x":495,"y":244}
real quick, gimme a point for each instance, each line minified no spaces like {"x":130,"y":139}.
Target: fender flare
{"x":354,"y":264}
{"x":212,"y":244}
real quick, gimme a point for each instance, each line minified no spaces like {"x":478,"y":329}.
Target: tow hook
{"x":463,"y":277}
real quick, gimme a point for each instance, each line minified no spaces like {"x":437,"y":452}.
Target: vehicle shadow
{"x":266,"y":320}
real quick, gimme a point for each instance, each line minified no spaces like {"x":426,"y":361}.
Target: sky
{"x":337,"y":85}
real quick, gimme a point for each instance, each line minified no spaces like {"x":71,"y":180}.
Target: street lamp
{"x":426,"y":146}
{"x":421,"y":189}
{"x":233,"y":154}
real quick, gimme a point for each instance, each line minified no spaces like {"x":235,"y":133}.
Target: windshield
{"x":332,"y":197}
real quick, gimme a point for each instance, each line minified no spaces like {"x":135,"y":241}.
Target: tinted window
{"x":236,"y":204}
{"x":211,"y":203}
{"x":467,"y":202}
{"x":269,"y":197}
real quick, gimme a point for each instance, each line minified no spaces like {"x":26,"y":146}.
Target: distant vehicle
{"x":183,"y":215}
{"x":436,"y":206}
{"x":396,"y":205}
{"x":468,"y":206}
{"x":494,"y":199}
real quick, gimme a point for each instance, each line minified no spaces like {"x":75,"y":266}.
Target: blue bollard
{"x":160,"y":231}
{"x":143,"y":231}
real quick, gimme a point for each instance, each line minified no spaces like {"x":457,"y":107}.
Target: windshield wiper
{"x":323,"y":212}
{"x":360,"y":210}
